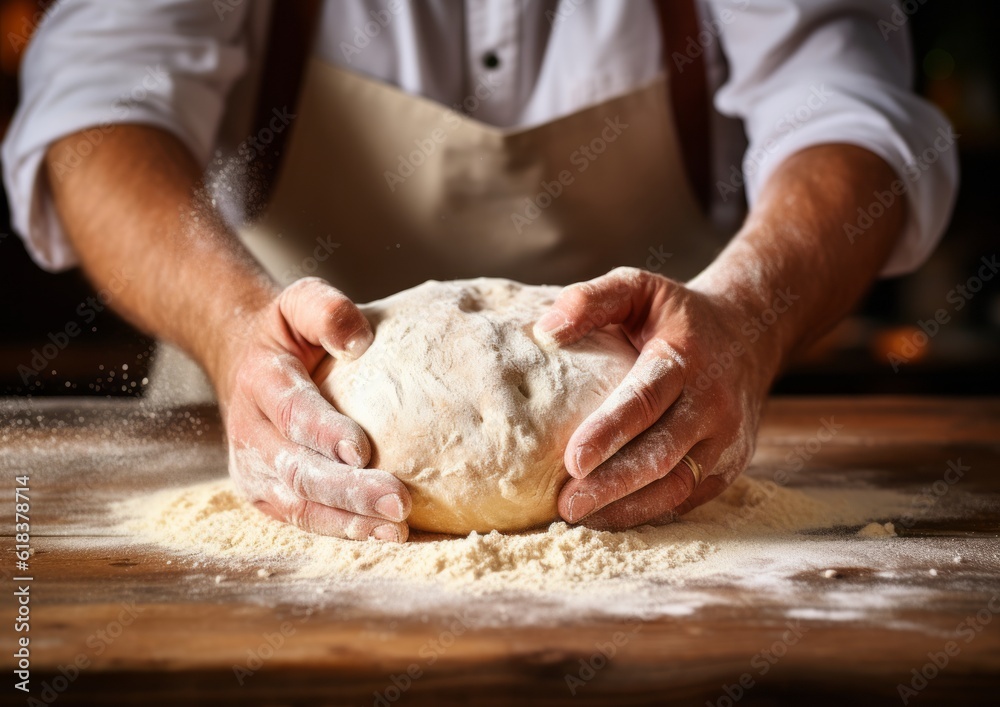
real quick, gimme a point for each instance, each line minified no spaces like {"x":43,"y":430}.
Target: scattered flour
{"x":209,"y":521}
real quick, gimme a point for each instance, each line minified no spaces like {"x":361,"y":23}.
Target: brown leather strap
{"x":293,"y":25}
{"x":684,"y":58}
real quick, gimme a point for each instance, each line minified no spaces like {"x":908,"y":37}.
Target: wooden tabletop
{"x":115,"y":623}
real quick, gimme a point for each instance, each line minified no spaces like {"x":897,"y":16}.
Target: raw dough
{"x":463,"y":404}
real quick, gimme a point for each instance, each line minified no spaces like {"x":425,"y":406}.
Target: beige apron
{"x":380,"y":190}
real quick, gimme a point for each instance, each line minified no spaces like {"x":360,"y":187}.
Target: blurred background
{"x":881,"y":349}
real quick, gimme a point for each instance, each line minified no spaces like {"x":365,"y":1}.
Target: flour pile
{"x":210,"y":522}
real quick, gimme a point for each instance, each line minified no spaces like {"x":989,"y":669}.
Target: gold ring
{"x":695,"y":468}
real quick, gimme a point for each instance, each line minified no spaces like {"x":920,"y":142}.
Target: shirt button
{"x":491,"y":60}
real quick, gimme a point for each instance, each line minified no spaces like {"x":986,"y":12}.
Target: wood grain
{"x":153,"y":630}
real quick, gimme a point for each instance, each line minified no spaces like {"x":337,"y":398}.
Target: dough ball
{"x":466,"y":408}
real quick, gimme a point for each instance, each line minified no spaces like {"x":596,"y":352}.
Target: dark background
{"x":957,"y":67}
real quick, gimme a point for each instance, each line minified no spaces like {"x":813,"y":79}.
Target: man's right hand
{"x":129,"y":206}
{"x":290,"y":452}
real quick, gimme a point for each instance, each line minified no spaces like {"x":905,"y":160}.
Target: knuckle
{"x":614,"y":487}
{"x":290,"y":469}
{"x":285,"y":413}
{"x":645,"y":401}
{"x":303,"y":284}
{"x":626,"y":272}
{"x":579,"y":294}
{"x":299,"y":514}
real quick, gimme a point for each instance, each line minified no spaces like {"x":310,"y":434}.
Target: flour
{"x":209,"y":521}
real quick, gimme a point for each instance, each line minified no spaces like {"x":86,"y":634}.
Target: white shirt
{"x":796,"y":72}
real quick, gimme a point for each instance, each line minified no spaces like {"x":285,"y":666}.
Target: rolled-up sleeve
{"x":94,"y":64}
{"x":809,"y":72}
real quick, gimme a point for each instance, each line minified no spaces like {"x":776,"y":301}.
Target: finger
{"x":316,"y":518}
{"x":283,"y":390}
{"x":615,"y":298}
{"x":272,"y":460}
{"x":663,"y":500}
{"x":650,"y":456}
{"x":647,"y":391}
{"x":710,"y":487}
{"x":325,"y":316}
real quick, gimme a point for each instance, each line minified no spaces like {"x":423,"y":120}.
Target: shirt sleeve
{"x":808,"y":72}
{"x":95,"y":64}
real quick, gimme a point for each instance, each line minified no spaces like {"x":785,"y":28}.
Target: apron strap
{"x":293,"y":24}
{"x":688,"y":93}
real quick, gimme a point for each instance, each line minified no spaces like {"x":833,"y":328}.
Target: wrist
{"x":227,"y":340}
{"x":761,"y":308}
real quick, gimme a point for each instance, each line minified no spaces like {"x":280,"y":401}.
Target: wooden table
{"x":148,"y":632}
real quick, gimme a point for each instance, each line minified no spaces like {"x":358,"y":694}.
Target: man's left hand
{"x":697,"y":389}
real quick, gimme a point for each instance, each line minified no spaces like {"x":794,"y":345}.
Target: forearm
{"x":791,"y":269}
{"x":132,"y":212}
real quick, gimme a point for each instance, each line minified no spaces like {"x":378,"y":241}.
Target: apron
{"x":380,"y":190}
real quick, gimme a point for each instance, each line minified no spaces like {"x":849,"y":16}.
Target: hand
{"x":290,"y":452}
{"x":679,"y":399}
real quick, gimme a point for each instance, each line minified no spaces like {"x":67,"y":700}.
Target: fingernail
{"x":358,"y":344}
{"x":550,"y":323}
{"x":349,"y":453}
{"x":585,"y":458}
{"x":580,"y":505}
{"x":387,"y":532}
{"x":390,"y":506}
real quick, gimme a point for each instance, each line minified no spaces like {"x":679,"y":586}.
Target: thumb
{"x":324,"y":316}
{"x":618,"y":297}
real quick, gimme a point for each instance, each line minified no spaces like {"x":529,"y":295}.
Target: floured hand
{"x":626,"y":458}
{"x":290,"y":452}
